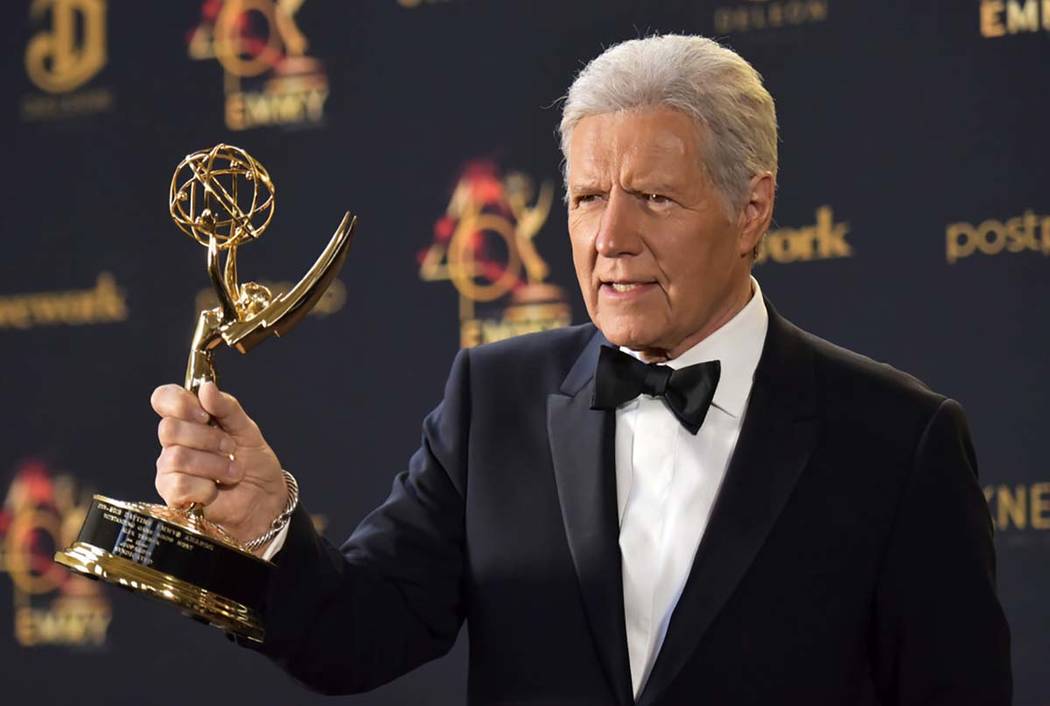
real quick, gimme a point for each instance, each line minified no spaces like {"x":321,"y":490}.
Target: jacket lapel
{"x":582,"y":445}
{"x":775,"y":441}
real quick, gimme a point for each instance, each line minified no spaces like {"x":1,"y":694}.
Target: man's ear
{"x":757,"y":212}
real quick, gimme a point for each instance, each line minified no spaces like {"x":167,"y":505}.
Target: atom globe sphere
{"x":222,"y":192}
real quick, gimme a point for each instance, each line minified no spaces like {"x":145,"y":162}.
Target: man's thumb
{"x":226,"y":410}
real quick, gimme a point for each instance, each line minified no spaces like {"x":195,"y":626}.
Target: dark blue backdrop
{"x":913,"y":224}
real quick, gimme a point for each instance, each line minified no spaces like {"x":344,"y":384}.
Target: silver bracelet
{"x":281,"y":521}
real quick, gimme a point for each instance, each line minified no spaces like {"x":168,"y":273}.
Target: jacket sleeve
{"x":941,"y":636}
{"x":349,"y":619}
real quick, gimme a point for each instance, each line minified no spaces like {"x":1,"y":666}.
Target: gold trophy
{"x":222,"y":198}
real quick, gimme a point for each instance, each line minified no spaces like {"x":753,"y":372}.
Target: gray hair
{"x":699,"y":77}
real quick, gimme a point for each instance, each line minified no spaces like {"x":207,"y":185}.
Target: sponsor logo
{"x":485,"y":246}
{"x":268,"y":78}
{"x":1029,"y":231}
{"x":824,"y":240}
{"x":1000,"y":18}
{"x":1022,"y":506}
{"x":769,"y":14}
{"x":102,"y":304}
{"x":63,"y":56}
{"x":41,"y":514}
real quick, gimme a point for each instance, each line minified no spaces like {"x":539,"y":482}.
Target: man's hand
{"x":228,"y":468}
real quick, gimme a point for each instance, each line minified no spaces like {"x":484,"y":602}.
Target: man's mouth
{"x":625,"y":286}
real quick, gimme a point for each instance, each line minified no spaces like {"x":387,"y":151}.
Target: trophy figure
{"x":222,"y":198}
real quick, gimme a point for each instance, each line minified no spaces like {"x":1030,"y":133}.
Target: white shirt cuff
{"x":276,"y":543}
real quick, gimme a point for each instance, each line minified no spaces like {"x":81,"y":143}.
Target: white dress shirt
{"x":667,"y":480}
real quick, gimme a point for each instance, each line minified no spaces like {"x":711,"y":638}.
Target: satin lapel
{"x":582,"y":444}
{"x":775,"y":442}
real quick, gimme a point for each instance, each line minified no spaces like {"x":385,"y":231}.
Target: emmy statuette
{"x":222,"y":198}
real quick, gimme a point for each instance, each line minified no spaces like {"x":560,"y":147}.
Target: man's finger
{"x":194,"y":435}
{"x":202,"y":464}
{"x":175,"y":401}
{"x":227,"y":411}
{"x":180,"y":489}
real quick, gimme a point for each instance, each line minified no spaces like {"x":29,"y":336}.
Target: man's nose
{"x":619,"y":229}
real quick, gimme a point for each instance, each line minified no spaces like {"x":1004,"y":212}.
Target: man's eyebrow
{"x":585,"y":185}
{"x":643,"y":190}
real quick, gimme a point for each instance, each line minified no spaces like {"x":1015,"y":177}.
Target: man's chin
{"x":627,"y":337}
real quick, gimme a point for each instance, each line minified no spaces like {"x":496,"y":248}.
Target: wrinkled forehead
{"x":632,"y":143}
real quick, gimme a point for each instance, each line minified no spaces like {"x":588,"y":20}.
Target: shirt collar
{"x":738,"y":346}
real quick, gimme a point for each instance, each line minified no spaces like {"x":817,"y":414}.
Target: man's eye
{"x":582,"y":199}
{"x":657,"y":199}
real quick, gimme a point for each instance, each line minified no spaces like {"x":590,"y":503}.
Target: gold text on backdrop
{"x":62,"y":57}
{"x":55,"y":61}
{"x":1029,"y":231}
{"x":824,"y":240}
{"x":1019,"y":507}
{"x":1000,"y":18}
{"x":268,"y":77}
{"x":485,"y":245}
{"x":755,"y":15}
{"x":102,"y":304}
{"x":41,"y":511}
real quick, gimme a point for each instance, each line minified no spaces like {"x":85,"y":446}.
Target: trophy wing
{"x":289,"y":308}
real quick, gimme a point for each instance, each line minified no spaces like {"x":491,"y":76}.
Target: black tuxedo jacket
{"x":848,"y":558}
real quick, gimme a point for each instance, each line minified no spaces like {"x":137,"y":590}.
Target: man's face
{"x":660,"y":263}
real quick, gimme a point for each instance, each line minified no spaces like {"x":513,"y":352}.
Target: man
{"x":689,"y":501}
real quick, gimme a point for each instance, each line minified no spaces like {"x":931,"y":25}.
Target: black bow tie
{"x":687,"y":391}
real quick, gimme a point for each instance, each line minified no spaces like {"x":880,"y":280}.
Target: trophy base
{"x":138,"y":547}
{"x":194,"y":601}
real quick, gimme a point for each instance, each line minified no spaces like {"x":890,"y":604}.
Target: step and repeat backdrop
{"x":913,"y":224}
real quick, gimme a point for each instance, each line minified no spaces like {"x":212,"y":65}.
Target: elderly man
{"x":688,"y":501}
